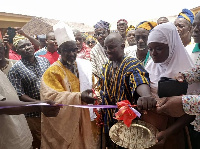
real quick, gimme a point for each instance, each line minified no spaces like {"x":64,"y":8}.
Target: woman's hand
{"x":180,"y":77}
{"x":171,"y":106}
{"x":162,"y":137}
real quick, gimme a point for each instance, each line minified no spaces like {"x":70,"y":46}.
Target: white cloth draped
{"x":85,"y":78}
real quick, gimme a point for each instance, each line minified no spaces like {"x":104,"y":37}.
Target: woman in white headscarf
{"x":168,"y":58}
{"x":177,"y":59}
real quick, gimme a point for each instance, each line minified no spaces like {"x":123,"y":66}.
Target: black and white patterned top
{"x":26,"y":78}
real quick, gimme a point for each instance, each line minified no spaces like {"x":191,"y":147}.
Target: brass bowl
{"x":139,"y":135}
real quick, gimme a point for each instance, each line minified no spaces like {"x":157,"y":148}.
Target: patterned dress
{"x":191,"y":103}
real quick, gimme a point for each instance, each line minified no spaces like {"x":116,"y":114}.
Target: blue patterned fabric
{"x":120,"y":84}
{"x":102,"y":24}
{"x":42,"y":51}
{"x":187,"y":14}
{"x":26,"y":77}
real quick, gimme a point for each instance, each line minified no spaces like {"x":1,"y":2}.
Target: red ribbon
{"x":125,"y":112}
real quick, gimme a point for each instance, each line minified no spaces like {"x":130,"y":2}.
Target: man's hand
{"x":86,"y":98}
{"x":20,"y":31}
{"x":146,"y":103}
{"x":5,"y":39}
{"x":52,"y":110}
{"x":172,"y":106}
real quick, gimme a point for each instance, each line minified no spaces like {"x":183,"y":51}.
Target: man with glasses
{"x":97,"y":54}
{"x":68,"y":81}
{"x":25,"y":76}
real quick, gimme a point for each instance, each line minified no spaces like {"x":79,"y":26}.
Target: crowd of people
{"x":42,"y":78}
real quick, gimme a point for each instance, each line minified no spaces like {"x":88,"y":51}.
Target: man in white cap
{"x":64,"y":82}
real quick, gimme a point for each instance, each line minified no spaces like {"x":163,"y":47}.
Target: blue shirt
{"x":26,"y":76}
{"x":42,"y":51}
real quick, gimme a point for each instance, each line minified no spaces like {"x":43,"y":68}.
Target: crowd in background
{"x":65,"y":66}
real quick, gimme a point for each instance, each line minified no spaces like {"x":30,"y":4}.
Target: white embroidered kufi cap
{"x":63,"y":33}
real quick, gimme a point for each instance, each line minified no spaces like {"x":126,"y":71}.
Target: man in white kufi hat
{"x":67,"y":83}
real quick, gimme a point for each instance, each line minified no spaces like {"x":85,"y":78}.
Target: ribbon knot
{"x":126,"y":112}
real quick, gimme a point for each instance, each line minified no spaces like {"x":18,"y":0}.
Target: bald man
{"x":162,"y":20}
{"x":122,"y":78}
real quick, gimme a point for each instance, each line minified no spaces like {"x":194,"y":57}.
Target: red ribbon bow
{"x":125,"y":112}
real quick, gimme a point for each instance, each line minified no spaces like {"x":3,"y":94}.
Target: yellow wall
{"x":12,"y":20}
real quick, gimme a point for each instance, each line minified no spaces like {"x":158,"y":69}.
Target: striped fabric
{"x":120,"y":85}
{"x":97,"y":58}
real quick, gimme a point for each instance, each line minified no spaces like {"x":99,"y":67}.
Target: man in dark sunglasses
{"x":90,"y":41}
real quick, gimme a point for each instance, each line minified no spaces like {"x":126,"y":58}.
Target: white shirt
{"x":131,"y":51}
{"x":14,"y":130}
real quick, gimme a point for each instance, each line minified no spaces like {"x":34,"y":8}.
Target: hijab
{"x":178,"y":59}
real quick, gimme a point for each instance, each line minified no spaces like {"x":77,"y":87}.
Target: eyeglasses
{"x":92,"y":42}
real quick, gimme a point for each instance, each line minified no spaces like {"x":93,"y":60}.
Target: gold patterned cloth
{"x":71,"y":129}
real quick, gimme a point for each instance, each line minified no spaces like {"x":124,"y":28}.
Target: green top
{"x":147,"y":58}
{"x":196,"y":48}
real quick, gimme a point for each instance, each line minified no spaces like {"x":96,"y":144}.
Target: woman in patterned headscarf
{"x":130,"y":35}
{"x":183,"y":24}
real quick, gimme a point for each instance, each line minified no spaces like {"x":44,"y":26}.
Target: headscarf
{"x":146,"y":25}
{"x":187,"y":14}
{"x":85,"y":35}
{"x":131,"y":27}
{"x":90,"y":36}
{"x":124,"y":20}
{"x":17,"y":38}
{"x":102,"y":24}
{"x":178,"y":59}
